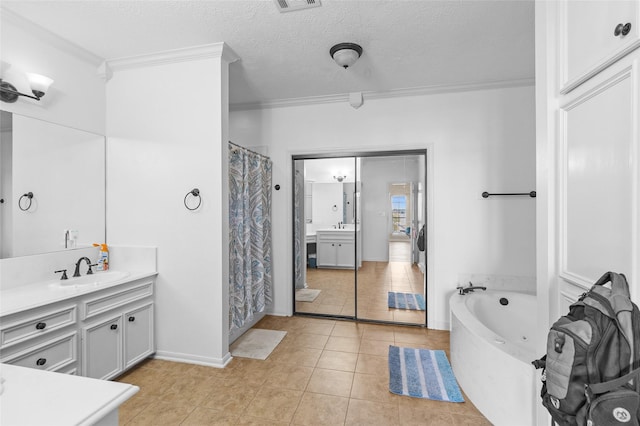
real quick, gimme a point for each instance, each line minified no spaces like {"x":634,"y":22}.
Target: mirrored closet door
{"x":356,"y":225}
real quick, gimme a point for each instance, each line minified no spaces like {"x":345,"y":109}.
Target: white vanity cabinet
{"x":97,"y":334}
{"x":336,"y":248}
{"x":117,"y":330}
{"x":45,"y":338}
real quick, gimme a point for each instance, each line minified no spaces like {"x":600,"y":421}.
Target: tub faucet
{"x":465,"y":290}
{"x":76,"y":273}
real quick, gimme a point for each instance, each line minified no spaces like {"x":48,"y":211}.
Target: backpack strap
{"x":599,"y":388}
{"x":619,"y":285}
{"x":616,"y":304}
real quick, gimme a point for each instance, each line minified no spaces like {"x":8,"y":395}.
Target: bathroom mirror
{"x":52,"y":187}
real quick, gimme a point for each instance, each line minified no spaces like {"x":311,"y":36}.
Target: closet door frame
{"x":425,"y":204}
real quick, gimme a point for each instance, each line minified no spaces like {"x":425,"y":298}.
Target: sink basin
{"x":97,"y":278}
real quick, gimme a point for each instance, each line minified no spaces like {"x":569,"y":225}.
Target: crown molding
{"x":214,"y":50}
{"x":49,"y":37}
{"x":396,"y":93}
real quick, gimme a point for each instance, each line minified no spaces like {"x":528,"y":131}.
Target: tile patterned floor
{"x":324,"y":372}
{"x":375,"y":280}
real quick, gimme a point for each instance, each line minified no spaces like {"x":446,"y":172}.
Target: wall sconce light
{"x":345,"y":54}
{"x":39,"y":86}
{"x":340,"y":178}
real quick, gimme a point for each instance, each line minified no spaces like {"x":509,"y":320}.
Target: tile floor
{"x":324,"y":372}
{"x":375,"y":279}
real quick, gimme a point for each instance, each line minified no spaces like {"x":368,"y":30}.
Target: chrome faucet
{"x":465,"y":290}
{"x":76,"y":273}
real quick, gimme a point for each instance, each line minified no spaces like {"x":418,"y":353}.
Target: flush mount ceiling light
{"x":345,"y":54}
{"x":39,"y":86}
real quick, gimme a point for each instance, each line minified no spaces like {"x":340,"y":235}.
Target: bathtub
{"x":491,"y":352}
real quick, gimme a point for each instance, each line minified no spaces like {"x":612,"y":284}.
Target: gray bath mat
{"x":257,"y":343}
{"x":306,"y":294}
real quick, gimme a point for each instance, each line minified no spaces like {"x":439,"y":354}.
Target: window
{"x":399,"y":213}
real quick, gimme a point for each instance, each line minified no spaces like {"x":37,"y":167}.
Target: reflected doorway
{"x":356,"y":222}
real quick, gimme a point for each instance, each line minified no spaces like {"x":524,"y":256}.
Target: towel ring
{"x":29,"y":197}
{"x":196,"y":193}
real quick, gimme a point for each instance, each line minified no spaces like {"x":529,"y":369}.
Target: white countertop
{"x":34,"y":397}
{"x":34,"y":295}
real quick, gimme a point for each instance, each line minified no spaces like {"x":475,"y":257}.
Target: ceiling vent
{"x":291,"y":5}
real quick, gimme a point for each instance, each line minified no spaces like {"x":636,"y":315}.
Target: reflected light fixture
{"x":39,"y":86}
{"x":345,"y":54}
{"x":340,"y":178}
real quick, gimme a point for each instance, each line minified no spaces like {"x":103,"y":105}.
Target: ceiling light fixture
{"x":340,"y":178}
{"x":345,"y":54}
{"x":39,"y":86}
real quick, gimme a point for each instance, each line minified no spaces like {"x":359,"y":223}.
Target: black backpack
{"x":421,"y":238}
{"x":591,"y":370}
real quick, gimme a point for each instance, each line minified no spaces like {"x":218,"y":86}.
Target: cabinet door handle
{"x":132,"y":319}
{"x":41,"y":325}
{"x":622,"y":29}
{"x":114,"y":326}
{"x":41,"y":361}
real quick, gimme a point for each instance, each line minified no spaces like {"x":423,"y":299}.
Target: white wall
{"x":77,"y":96}
{"x":477,"y":141}
{"x":164,"y":139}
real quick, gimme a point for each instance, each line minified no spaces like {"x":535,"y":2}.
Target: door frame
{"x":426,"y":218}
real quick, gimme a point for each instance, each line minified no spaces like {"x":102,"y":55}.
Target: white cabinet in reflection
{"x":336,"y":248}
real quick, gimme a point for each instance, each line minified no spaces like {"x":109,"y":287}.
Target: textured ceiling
{"x":407,"y":44}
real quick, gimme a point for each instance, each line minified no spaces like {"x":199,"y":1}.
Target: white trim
{"x":205,"y":51}
{"x":396,"y":93}
{"x":194,"y":359}
{"x":634,"y":155}
{"x":52,"y":38}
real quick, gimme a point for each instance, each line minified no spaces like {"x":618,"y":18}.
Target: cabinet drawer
{"x":99,"y":305}
{"x":38,"y":325}
{"x":49,"y":356}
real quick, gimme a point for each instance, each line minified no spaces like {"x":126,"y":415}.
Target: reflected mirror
{"x":52,"y":187}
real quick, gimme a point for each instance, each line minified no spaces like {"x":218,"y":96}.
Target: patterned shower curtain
{"x":250,"y":286}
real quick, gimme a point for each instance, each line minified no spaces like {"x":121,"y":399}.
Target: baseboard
{"x":441,"y":325}
{"x":194,"y":359}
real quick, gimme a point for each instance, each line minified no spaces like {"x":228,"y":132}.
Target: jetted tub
{"x":491,"y":353}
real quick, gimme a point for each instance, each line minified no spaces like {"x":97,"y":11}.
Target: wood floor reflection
{"x":375,"y":280}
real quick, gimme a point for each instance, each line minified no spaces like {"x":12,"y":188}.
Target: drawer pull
{"x":114,"y":326}
{"x":41,"y":361}
{"x":41,"y":325}
{"x":132,"y":319}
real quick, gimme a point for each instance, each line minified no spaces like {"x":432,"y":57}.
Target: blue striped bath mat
{"x":413,"y":301}
{"x":422,"y":373}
